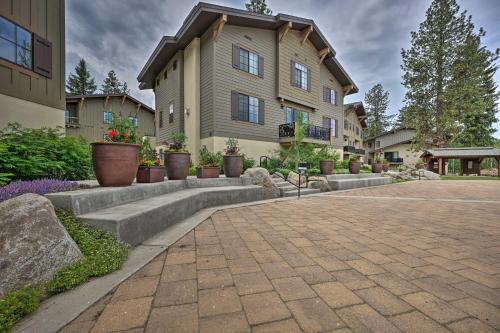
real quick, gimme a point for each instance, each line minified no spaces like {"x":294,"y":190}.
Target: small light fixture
{"x":186,"y":112}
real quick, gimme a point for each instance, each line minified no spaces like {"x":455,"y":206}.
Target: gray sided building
{"x":232,"y":73}
{"x":32,"y":63}
{"x":89,"y":115}
{"x":395,"y":146}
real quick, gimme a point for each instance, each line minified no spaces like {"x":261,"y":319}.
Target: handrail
{"x":266,"y":158}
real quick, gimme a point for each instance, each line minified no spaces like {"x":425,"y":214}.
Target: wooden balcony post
{"x":440,"y":166}
{"x":498,"y":166}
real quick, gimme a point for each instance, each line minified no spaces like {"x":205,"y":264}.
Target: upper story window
{"x":301,"y":76}
{"x":134,"y":120}
{"x":108,"y":117}
{"x":248,"y":61}
{"x":377,"y":144}
{"x":346,"y":125}
{"x":171,"y":112}
{"x":331,"y":123}
{"x":329,"y":95}
{"x":292,"y":115}
{"x":15,"y":44}
{"x":160,"y":119}
{"x":247,"y":108}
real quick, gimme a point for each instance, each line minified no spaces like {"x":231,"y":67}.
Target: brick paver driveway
{"x":413,"y":257}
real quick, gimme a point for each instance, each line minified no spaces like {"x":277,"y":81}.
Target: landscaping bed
{"x":469,"y":178}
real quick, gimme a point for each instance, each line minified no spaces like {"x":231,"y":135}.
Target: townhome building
{"x":354,"y":126}
{"x":233,"y":73}
{"x":32,"y":63}
{"x":90,"y":115}
{"x":395,"y":146}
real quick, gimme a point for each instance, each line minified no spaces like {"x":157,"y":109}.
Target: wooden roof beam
{"x":306,"y":32}
{"x":106,"y":100}
{"x":81,"y":103}
{"x":124,"y":98}
{"x":284,"y":30}
{"x":347,"y":88}
{"x":138,"y":108}
{"x":323,"y":53}
{"x":219,"y":25}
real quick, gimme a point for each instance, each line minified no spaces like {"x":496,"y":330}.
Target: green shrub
{"x":29,"y":154}
{"x":344,"y":164}
{"x":283,"y":171}
{"x":192,"y":170}
{"x":18,"y":304}
{"x":313,"y":172}
{"x":248,"y":163}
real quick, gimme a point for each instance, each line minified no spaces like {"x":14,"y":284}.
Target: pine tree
{"x":81,"y":83}
{"x":428,"y":72}
{"x":376,"y":103}
{"x":258,"y":6}
{"x":113,"y":86}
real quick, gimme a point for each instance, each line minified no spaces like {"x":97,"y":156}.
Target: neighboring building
{"x":32,"y":63}
{"x":395,"y":146}
{"x":470,"y":159}
{"x":354,"y":125}
{"x":234,"y":73}
{"x":90,"y":115}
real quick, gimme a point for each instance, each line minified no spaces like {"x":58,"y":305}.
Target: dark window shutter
{"x":261,"y":67}
{"x":234,"y":105}
{"x":328,"y":95}
{"x":308,"y":79}
{"x":326,"y":122}
{"x":262,"y":109}
{"x":42,"y":56}
{"x":292,"y":73}
{"x":236,"y":56}
{"x":336,"y":97}
{"x":325,"y":91}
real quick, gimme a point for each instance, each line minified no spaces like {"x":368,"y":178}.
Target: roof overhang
{"x":468,"y":152}
{"x":203,"y":15}
{"x":76,"y":98}
{"x":360,"y":112}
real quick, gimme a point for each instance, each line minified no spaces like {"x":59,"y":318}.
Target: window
{"x":134,"y":120}
{"x":333,"y":97}
{"x":171,"y":113}
{"x":300,"y":76}
{"x":249,"y":62}
{"x":248,"y":108}
{"x":108,"y":117}
{"x":357,"y":130}
{"x":292,"y":115}
{"x":329,"y":95}
{"x":160,"y":119}
{"x":346,"y":125}
{"x":332,"y":124}
{"x":15,"y":44}
{"x":377,"y":144}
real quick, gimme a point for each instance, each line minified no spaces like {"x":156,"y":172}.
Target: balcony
{"x":360,"y":151}
{"x":313,"y":134}
{"x":71,"y":122}
{"x":395,"y":160}
{"x":350,"y":149}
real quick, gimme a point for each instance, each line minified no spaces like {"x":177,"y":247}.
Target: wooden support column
{"x":123,"y":99}
{"x":461,"y":167}
{"x":322,"y":54}
{"x":498,"y":165}
{"x":440,"y":166}
{"x":306,"y":32}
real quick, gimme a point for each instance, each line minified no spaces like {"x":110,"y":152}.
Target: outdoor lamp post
{"x":302,"y":171}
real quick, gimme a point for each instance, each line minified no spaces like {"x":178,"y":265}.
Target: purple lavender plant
{"x":39,"y":186}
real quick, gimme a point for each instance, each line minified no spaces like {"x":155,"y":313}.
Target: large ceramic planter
{"x":385,"y":167}
{"x":233,"y":165}
{"x":177,"y":165}
{"x":326,"y":167}
{"x":208,"y":172}
{"x":152,"y":174}
{"x":377,"y":167}
{"x":354,"y":167}
{"x":115,"y":164}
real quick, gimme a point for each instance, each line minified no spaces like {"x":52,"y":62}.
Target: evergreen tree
{"x":113,"y":86}
{"x":258,"y":6}
{"x":81,"y":83}
{"x":376,"y":103}
{"x":428,"y":72}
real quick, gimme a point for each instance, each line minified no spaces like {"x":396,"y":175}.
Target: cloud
{"x":367,"y":35}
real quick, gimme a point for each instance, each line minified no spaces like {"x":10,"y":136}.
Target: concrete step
{"x":137,"y":221}
{"x":90,"y":200}
{"x":351,"y":176}
{"x":303,"y":191}
{"x":346,"y":184}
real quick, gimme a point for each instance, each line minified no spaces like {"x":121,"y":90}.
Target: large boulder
{"x":260,"y":176}
{"x":429,"y":175}
{"x":293,"y":178}
{"x":317,"y":182}
{"x":34,"y":245}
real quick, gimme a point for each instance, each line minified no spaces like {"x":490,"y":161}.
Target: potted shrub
{"x":385,"y":165}
{"x":116,"y":160}
{"x":377,"y":165}
{"x":354,"y":164}
{"x":233,"y":161}
{"x":328,"y":157}
{"x":209,"y":166}
{"x":177,"y":159}
{"x":150,"y":168}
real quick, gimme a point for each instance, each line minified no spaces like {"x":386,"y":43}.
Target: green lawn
{"x":469,"y":178}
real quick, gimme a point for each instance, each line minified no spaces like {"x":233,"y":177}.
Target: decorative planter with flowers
{"x":209,"y":166}
{"x":354,"y":165}
{"x":377,"y":164}
{"x":116,"y":160}
{"x":177,"y":159}
{"x":328,"y":157}
{"x":150,"y":168}
{"x":233,"y":161}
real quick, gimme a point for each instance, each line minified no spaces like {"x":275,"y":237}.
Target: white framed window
{"x":301,"y":73}
{"x":15,"y":43}
{"x":292,"y":115}
{"x":108,"y":117}
{"x":134,"y":120}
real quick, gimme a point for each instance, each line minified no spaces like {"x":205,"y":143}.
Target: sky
{"x":367,"y":35}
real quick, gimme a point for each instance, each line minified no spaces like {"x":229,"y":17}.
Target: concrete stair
{"x":138,"y":212}
{"x":348,"y":181}
{"x":290,"y":190}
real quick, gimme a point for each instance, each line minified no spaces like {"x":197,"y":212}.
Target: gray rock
{"x":34,"y":245}
{"x":429,"y":174}
{"x":319,"y":184}
{"x":277,"y":175}
{"x":260,"y":176}
{"x":293,"y":178}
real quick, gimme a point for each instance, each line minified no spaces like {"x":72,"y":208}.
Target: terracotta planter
{"x":115,"y":164}
{"x":377,"y":167}
{"x":208,"y":172}
{"x":385,"y":167}
{"x":326,"y":167}
{"x":233,"y":165}
{"x":153,"y":174}
{"x":354,"y":167}
{"x":177,"y":165}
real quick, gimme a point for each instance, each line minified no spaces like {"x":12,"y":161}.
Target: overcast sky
{"x":366,"y":34}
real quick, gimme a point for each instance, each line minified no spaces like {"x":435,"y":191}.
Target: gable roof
{"x":203,"y":15}
{"x":360,"y":112}
{"x":127,"y":96}
{"x":472,"y":152}
{"x":390,"y":132}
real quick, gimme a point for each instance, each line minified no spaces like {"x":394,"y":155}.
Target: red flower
{"x":125,"y":135}
{"x":158,"y":162}
{"x":112,"y":133}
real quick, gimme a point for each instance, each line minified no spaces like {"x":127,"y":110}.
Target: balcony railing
{"x":311,"y":131}
{"x":360,"y":151}
{"x":71,"y":121}
{"x":350,"y":149}
{"x":397,"y":160}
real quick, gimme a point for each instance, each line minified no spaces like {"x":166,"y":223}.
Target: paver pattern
{"x":354,"y":261}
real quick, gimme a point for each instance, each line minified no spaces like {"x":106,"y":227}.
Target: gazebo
{"x":470,"y":158}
